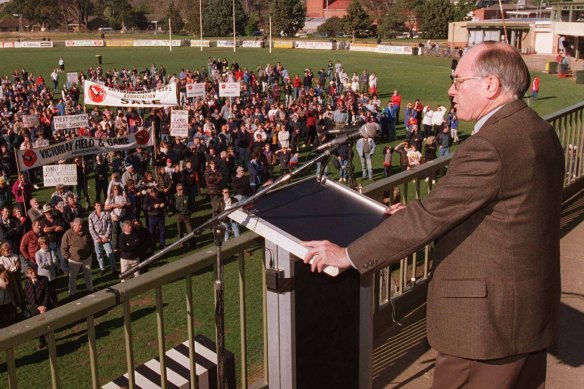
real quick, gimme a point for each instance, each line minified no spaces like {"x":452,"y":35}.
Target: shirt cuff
{"x":349,"y":258}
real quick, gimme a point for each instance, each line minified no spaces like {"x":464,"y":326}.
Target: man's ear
{"x":492,"y":86}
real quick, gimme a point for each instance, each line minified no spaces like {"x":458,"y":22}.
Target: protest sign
{"x":30,"y":121}
{"x":229,"y":89}
{"x":70,"y":121}
{"x":179,"y":123}
{"x":96,"y":94}
{"x":54,"y":175}
{"x":196,"y":89}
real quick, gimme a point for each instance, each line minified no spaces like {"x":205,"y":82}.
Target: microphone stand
{"x":240,"y":204}
{"x":351,"y":166}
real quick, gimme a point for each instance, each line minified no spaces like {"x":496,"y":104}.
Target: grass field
{"x":425,"y":78}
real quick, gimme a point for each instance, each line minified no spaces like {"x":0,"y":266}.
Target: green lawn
{"x":425,"y":78}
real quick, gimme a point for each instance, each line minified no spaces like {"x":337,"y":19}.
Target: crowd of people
{"x":233,"y":147}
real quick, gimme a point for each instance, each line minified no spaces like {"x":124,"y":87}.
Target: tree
{"x":116,"y":12}
{"x":218,"y":18}
{"x":403,"y":15}
{"x":435,"y":17}
{"x":251,"y":26}
{"x":176,"y":20}
{"x":332,"y":28}
{"x":356,"y":18}
{"x":288,"y":16}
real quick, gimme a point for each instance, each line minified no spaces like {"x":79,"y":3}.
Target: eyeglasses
{"x":456,"y":81}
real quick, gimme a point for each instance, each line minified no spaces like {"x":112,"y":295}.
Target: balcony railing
{"x":391,"y":283}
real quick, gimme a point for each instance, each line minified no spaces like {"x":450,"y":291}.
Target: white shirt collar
{"x":481,"y":122}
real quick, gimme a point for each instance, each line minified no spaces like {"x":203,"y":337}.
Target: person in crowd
{"x":478,"y":217}
{"x":444,"y":141}
{"x":129,"y":243}
{"x":365,"y":148}
{"x":100,"y":229}
{"x":29,"y":244}
{"x":155,"y":206}
{"x":13,"y":267}
{"x":5,"y":193}
{"x":53,"y":228}
{"x":38,"y":295}
{"x":147,"y":241}
{"x":11,"y":230}
{"x":58,"y":195}
{"x":117,"y":204}
{"x":8,"y":314}
{"x":213,"y":179}
{"x":387,"y":154}
{"x":34,"y":212}
{"x":22,"y":192}
{"x":71,"y":210}
{"x":102,"y":171}
{"x":226,"y":202}
{"x":47,"y":264}
{"x":77,"y":247}
{"x":182,"y":211}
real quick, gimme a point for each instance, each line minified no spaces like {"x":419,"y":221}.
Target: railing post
{"x":160,"y":329}
{"x":54,"y":364}
{"x":243,"y":320}
{"x":129,"y":344}
{"x":11,"y":363}
{"x":92,"y":352}
{"x":191,"y":331}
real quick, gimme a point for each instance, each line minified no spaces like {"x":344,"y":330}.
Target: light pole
{"x":19,"y":16}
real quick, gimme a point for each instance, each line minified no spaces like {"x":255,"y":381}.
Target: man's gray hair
{"x":504,"y":62}
{"x":78,"y":220}
{"x":127,"y":222}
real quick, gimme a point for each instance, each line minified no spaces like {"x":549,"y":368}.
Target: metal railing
{"x":391,"y":282}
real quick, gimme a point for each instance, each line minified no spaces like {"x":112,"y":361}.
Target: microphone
{"x":368,"y":130}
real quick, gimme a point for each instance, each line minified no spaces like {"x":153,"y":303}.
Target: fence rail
{"x":390,"y":282}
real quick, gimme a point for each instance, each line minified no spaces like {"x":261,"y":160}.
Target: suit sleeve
{"x":473,"y":180}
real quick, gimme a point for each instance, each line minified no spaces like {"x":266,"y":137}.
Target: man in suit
{"x":38,"y":296}
{"x":493,"y":299}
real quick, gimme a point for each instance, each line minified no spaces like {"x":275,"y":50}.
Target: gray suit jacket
{"x":495,"y":217}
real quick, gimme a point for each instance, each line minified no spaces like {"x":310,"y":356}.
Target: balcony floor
{"x":403,"y":359}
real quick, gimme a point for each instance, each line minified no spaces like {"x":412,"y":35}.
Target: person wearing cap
{"x":53,"y":227}
{"x":58,"y":195}
{"x":129,"y":174}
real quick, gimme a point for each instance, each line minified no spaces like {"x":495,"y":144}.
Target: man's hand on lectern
{"x":324,"y":253}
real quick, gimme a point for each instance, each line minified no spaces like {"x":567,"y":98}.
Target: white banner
{"x":54,"y":175}
{"x":229,"y":89}
{"x":72,"y":78}
{"x":179,"y":123}
{"x":407,"y":50}
{"x":30,"y":121}
{"x":33,"y":44}
{"x":257,"y":44}
{"x":370,"y":47}
{"x":315,"y":45}
{"x":83,"y":145}
{"x":95,"y":94}
{"x":196,"y":90}
{"x":155,"y":42}
{"x":200,"y":43}
{"x":226,"y":43}
{"x":70,"y":121}
{"x":85,"y":43}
